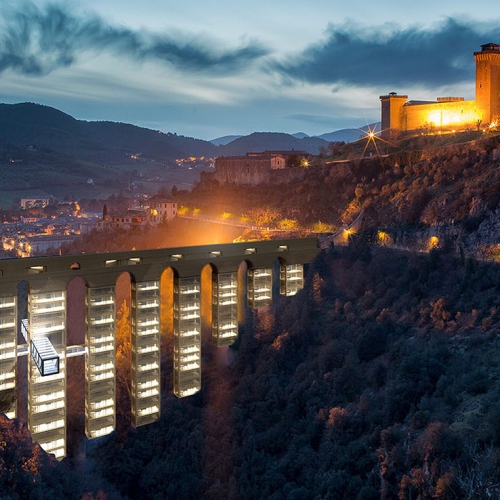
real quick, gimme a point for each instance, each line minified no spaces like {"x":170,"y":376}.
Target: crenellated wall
{"x":400,"y":116}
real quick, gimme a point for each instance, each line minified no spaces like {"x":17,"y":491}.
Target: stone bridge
{"x":39,"y":331}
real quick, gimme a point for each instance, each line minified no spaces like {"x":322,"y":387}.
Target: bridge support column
{"x":291,"y":279}
{"x":8,"y":354}
{"x":145,"y":352}
{"x":187,"y":336}
{"x":47,"y":371}
{"x":259,"y":287}
{"x":100,"y":372}
{"x":224,"y":308}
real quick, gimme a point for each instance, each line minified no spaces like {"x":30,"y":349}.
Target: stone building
{"x":256,"y":168}
{"x":159,"y":210}
{"x":400,"y":115}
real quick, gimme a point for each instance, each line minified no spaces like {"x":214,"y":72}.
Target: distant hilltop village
{"x":400,"y":116}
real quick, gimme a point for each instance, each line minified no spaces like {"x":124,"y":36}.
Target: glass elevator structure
{"x":291,"y":279}
{"x":145,"y":352}
{"x":224,"y":308}
{"x":47,"y":370}
{"x":187,"y":336}
{"x":8,"y":353}
{"x":259,"y":287}
{"x":100,"y":373}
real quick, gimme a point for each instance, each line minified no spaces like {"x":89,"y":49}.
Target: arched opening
{"x":167,"y":280}
{"x":242,"y":290}
{"x":123,"y":350}
{"x":76,"y":290}
{"x":208,"y":277}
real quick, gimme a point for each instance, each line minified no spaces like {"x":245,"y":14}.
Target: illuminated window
{"x":36,"y":269}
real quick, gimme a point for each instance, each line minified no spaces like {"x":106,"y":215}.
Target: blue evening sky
{"x":207,"y":68}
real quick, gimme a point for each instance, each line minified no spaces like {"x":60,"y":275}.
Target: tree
{"x":263,"y":216}
{"x":123,"y":360}
{"x":293,"y":160}
{"x":288,"y":224}
{"x":335,"y":147}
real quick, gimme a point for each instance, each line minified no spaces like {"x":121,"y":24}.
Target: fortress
{"x":401,"y":116}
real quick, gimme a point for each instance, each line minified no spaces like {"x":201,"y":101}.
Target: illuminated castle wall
{"x":400,"y":116}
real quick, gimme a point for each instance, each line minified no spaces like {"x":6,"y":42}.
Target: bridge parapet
{"x":47,"y":279}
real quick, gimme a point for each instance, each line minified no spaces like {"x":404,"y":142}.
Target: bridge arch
{"x":165,"y":287}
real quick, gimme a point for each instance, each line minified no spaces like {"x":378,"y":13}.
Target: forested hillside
{"x":441,"y":188}
{"x":379,"y":380}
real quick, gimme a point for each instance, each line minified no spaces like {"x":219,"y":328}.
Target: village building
{"x":158,"y":210}
{"x":161,"y":209}
{"x":35,"y":202}
{"x":124,"y":220}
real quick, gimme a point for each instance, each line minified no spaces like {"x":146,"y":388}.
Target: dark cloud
{"x":314,"y":119}
{"x":388,"y":56}
{"x":36,"y":41}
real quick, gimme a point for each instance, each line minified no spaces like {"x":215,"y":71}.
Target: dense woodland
{"x":380,"y":380}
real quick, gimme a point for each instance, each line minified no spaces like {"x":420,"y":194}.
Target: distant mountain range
{"x":46,"y":151}
{"x":43,"y":127}
{"x":28,"y":124}
{"x":346,"y":135}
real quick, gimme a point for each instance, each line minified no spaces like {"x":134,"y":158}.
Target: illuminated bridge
{"x":42,"y":335}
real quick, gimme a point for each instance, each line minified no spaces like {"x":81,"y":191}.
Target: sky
{"x":210,"y":68}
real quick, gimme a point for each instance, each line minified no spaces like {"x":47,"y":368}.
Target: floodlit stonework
{"x":401,"y":116}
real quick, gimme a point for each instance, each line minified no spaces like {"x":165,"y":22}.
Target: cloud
{"x":388,"y":55}
{"x":36,"y":41}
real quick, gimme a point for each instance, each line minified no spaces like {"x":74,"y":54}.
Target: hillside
{"x":260,"y":141}
{"x":44,"y":151}
{"x":378,"y":381}
{"x":446,"y":189}
{"x":43,"y":127}
{"x":349,"y":134}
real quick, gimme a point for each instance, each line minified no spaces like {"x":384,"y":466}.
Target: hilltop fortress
{"x":400,"y":116}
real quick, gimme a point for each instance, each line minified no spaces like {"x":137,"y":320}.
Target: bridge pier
{"x":100,"y":373}
{"x":47,"y":370}
{"x":187,"y":336}
{"x":45,"y":329}
{"x":8,"y":353}
{"x":145,"y":352}
{"x":224,"y":308}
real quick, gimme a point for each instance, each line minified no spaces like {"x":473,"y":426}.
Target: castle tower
{"x":488,"y":82}
{"x":393,"y":122}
